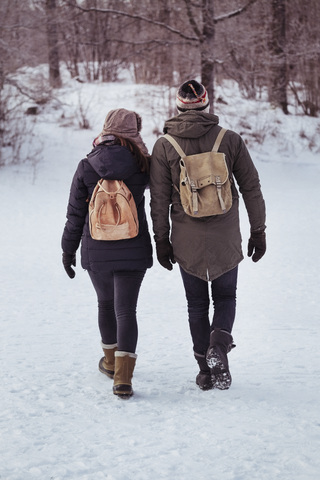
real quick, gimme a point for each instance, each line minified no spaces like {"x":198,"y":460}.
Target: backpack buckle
{"x":195,"y":206}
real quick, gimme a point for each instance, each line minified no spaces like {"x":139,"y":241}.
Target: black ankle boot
{"x":203,"y":379}
{"x":217,"y":359}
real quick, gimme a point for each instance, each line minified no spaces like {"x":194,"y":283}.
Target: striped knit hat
{"x":192,"y":96}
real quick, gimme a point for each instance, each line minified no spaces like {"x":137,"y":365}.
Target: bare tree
{"x":206,"y":38}
{"x":260,"y":44}
{"x":20,"y":48}
{"x":53,"y":44}
{"x":278,"y":80}
{"x":303,"y":53}
{"x":200,"y":32}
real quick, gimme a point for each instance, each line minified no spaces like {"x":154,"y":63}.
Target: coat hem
{"x":210,"y":278}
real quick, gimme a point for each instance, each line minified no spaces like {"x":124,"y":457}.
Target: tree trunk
{"x":207,"y":49}
{"x":165,"y":66}
{"x":278,"y":87}
{"x":53,"y":48}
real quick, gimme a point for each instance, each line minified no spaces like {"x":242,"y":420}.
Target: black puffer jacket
{"x":117,"y":163}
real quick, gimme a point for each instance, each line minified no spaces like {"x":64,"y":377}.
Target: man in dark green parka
{"x":207,"y":249}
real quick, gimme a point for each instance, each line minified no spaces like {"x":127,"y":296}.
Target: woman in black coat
{"x":116,"y":268}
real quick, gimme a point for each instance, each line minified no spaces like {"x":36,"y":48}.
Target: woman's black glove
{"x":165,"y":253}
{"x":69,"y":259}
{"x":257,"y":244}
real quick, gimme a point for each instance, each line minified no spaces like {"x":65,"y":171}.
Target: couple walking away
{"x":207,"y":249}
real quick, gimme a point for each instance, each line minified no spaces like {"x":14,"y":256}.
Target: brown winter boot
{"x":203,"y":379}
{"x":124,"y":366}
{"x":217,"y":360}
{"x":106,"y":364}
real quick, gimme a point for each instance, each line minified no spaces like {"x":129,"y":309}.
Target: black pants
{"x":223,"y":294}
{"x":117,"y":294}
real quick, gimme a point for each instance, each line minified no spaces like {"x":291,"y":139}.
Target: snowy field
{"x":59,"y":418}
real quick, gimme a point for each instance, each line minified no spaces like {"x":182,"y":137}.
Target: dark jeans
{"x":223,"y":293}
{"x":117,"y":294}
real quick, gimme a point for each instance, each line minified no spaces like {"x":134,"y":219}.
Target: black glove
{"x":69,"y":259}
{"x":257,"y":244}
{"x":165,"y":253}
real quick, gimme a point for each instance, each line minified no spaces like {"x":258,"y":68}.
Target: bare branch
{"x":240,"y":10}
{"x":139,"y":17}
{"x":155,"y":41}
{"x":191,"y":18}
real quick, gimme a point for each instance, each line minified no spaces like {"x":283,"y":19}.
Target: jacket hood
{"x":113,"y":162}
{"x":192,"y":124}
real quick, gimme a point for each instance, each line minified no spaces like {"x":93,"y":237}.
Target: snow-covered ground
{"x":59,"y":418}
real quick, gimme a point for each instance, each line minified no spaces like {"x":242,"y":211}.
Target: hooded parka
{"x":205,"y":247}
{"x":113,"y":162}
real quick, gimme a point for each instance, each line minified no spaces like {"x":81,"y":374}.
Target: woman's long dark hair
{"x":143,"y":160}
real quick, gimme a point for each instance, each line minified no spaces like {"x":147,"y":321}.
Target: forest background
{"x":268,"y":47}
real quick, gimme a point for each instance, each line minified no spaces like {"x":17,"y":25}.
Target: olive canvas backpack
{"x":205,"y":186}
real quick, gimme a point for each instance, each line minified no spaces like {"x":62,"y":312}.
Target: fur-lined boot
{"x":124,"y":366}
{"x":106,"y":364}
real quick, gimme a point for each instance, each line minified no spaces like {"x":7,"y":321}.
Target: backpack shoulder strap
{"x":175,"y":145}
{"x":216,"y":145}
{"x":179,"y":150}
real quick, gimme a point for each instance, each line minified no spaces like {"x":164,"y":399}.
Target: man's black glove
{"x":165,"y":253}
{"x":257,"y":244}
{"x":69,"y":259}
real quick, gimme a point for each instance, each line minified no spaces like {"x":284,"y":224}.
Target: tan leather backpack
{"x":112,"y":211}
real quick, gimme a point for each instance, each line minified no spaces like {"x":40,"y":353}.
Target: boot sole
{"x":123,"y":391}
{"x":122,"y":396}
{"x":220,"y":376}
{"x":108,"y":373}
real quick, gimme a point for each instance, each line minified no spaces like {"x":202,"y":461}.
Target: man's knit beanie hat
{"x":192,"y":95}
